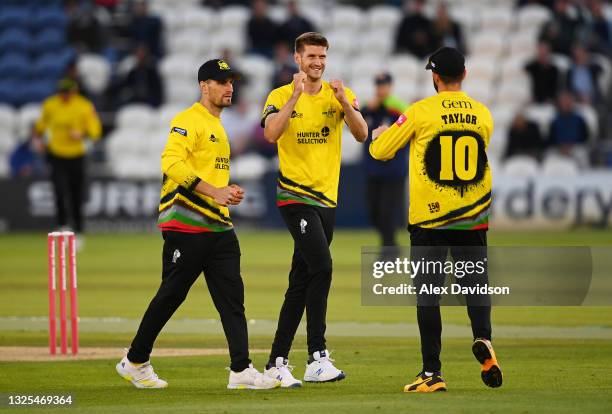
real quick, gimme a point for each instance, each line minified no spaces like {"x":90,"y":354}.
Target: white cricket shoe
{"x":282,"y":372}
{"x":251,"y":379}
{"x":141,"y":375}
{"x":322,"y":369}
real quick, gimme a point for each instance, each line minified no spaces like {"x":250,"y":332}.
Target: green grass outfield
{"x":554,"y":359}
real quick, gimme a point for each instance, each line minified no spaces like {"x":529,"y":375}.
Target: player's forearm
{"x":176,"y":169}
{"x":357,"y":125}
{"x":277,"y":123}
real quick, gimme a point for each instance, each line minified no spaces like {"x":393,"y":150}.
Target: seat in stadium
{"x":202,"y":18}
{"x":318,"y":17}
{"x":377,"y":43}
{"x":179,"y":66}
{"x":590,"y":117}
{"x":521,"y":166}
{"x":48,"y":40}
{"x":562,"y":62}
{"x":486,"y":43}
{"x":38,"y":90}
{"x":49,"y":17}
{"x":363,"y":89}
{"x":605,"y":77}
{"x":404,"y":67}
{"x":336,"y":67}
{"x":513,"y":69}
{"x":166,"y":113}
{"x":233,"y":17}
{"x":511,"y":93}
{"x":478,"y":89}
{"x":15,"y":66}
{"x":249,"y":167}
{"x":48,"y":65}
{"x":352,"y":151}
{"x":8,"y":119}
{"x":181,"y":92}
{"x":555,"y":165}
{"x":28,"y":115}
{"x":173,"y":20}
{"x":349,"y":18}
{"x":15,"y":40}
{"x":342,"y":41}
{"x":541,"y":114}
{"x":277,"y":13}
{"x":495,"y":18}
{"x":192,"y":41}
{"x":380,"y":16}
{"x":523,"y":45}
{"x":366,"y":67}
{"x":481,"y":68}
{"x":95,"y":71}
{"x":258,"y":68}
{"x":503,"y":114}
{"x":468,"y":18}
{"x":8,"y":93}
{"x":135,"y":116}
{"x":532,"y":17}
{"x":15,"y":17}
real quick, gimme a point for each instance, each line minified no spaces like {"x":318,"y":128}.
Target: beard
{"x":223,"y":102}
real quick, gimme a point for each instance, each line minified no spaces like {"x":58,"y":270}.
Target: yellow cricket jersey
{"x":197,"y":149}
{"x":310,"y":148}
{"x":60,"y":118}
{"x":450,"y":178}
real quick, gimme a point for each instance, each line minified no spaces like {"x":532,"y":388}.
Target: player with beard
{"x":198,"y":233}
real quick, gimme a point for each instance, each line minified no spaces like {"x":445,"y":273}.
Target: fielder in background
{"x":385,"y":180}
{"x":198,"y":233}
{"x":69,"y":119}
{"x":450,"y":198}
{"x":305,"y":119}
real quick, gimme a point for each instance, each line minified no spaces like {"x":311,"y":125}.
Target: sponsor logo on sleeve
{"x":400,"y":120}
{"x":178,"y":130}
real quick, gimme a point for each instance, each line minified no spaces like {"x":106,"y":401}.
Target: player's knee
{"x":321,"y":267}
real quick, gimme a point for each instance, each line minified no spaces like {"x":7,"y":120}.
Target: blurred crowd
{"x":570,"y":67}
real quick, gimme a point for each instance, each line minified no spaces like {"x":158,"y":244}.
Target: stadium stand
{"x":499,"y":36}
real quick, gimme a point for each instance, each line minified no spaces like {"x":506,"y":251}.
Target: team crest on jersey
{"x":181,"y":131}
{"x":213,"y":138}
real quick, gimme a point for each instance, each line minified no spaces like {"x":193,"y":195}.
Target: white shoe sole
{"x":340,"y":377}
{"x":294,"y":385}
{"x":128,"y":378}
{"x":249,"y":387}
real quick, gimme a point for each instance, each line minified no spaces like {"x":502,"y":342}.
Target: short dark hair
{"x":310,"y":39}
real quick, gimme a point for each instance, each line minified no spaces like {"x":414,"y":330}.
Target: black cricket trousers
{"x":385,"y":198}
{"x":185,"y":256}
{"x":68,"y":178}
{"x":312,"y":229}
{"x":464,"y":245}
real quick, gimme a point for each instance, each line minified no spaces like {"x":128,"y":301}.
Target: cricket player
{"x":69,"y":119}
{"x":198,"y":233}
{"x":305,"y":120}
{"x":450,"y":198}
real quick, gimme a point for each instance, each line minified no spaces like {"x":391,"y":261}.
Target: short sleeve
{"x":274,"y":103}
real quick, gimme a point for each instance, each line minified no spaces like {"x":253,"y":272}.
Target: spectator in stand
{"x":524,"y":138}
{"x":583,"y":76}
{"x":544,"y":75}
{"x":294,"y":26}
{"x":415,"y":31}
{"x":284,"y":65}
{"x":147,"y":28}
{"x":84,"y":31}
{"x":25,"y":161}
{"x":601,"y":28}
{"x":142,"y":84}
{"x":261,"y":30}
{"x":446,"y":31}
{"x":569,"y":134}
{"x":565,"y":28}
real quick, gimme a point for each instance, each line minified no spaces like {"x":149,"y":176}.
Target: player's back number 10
{"x":458,"y":161}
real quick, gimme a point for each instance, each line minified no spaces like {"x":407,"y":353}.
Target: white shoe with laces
{"x":141,"y":375}
{"x":251,"y":379}
{"x":322,"y":369}
{"x":282,"y":372}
